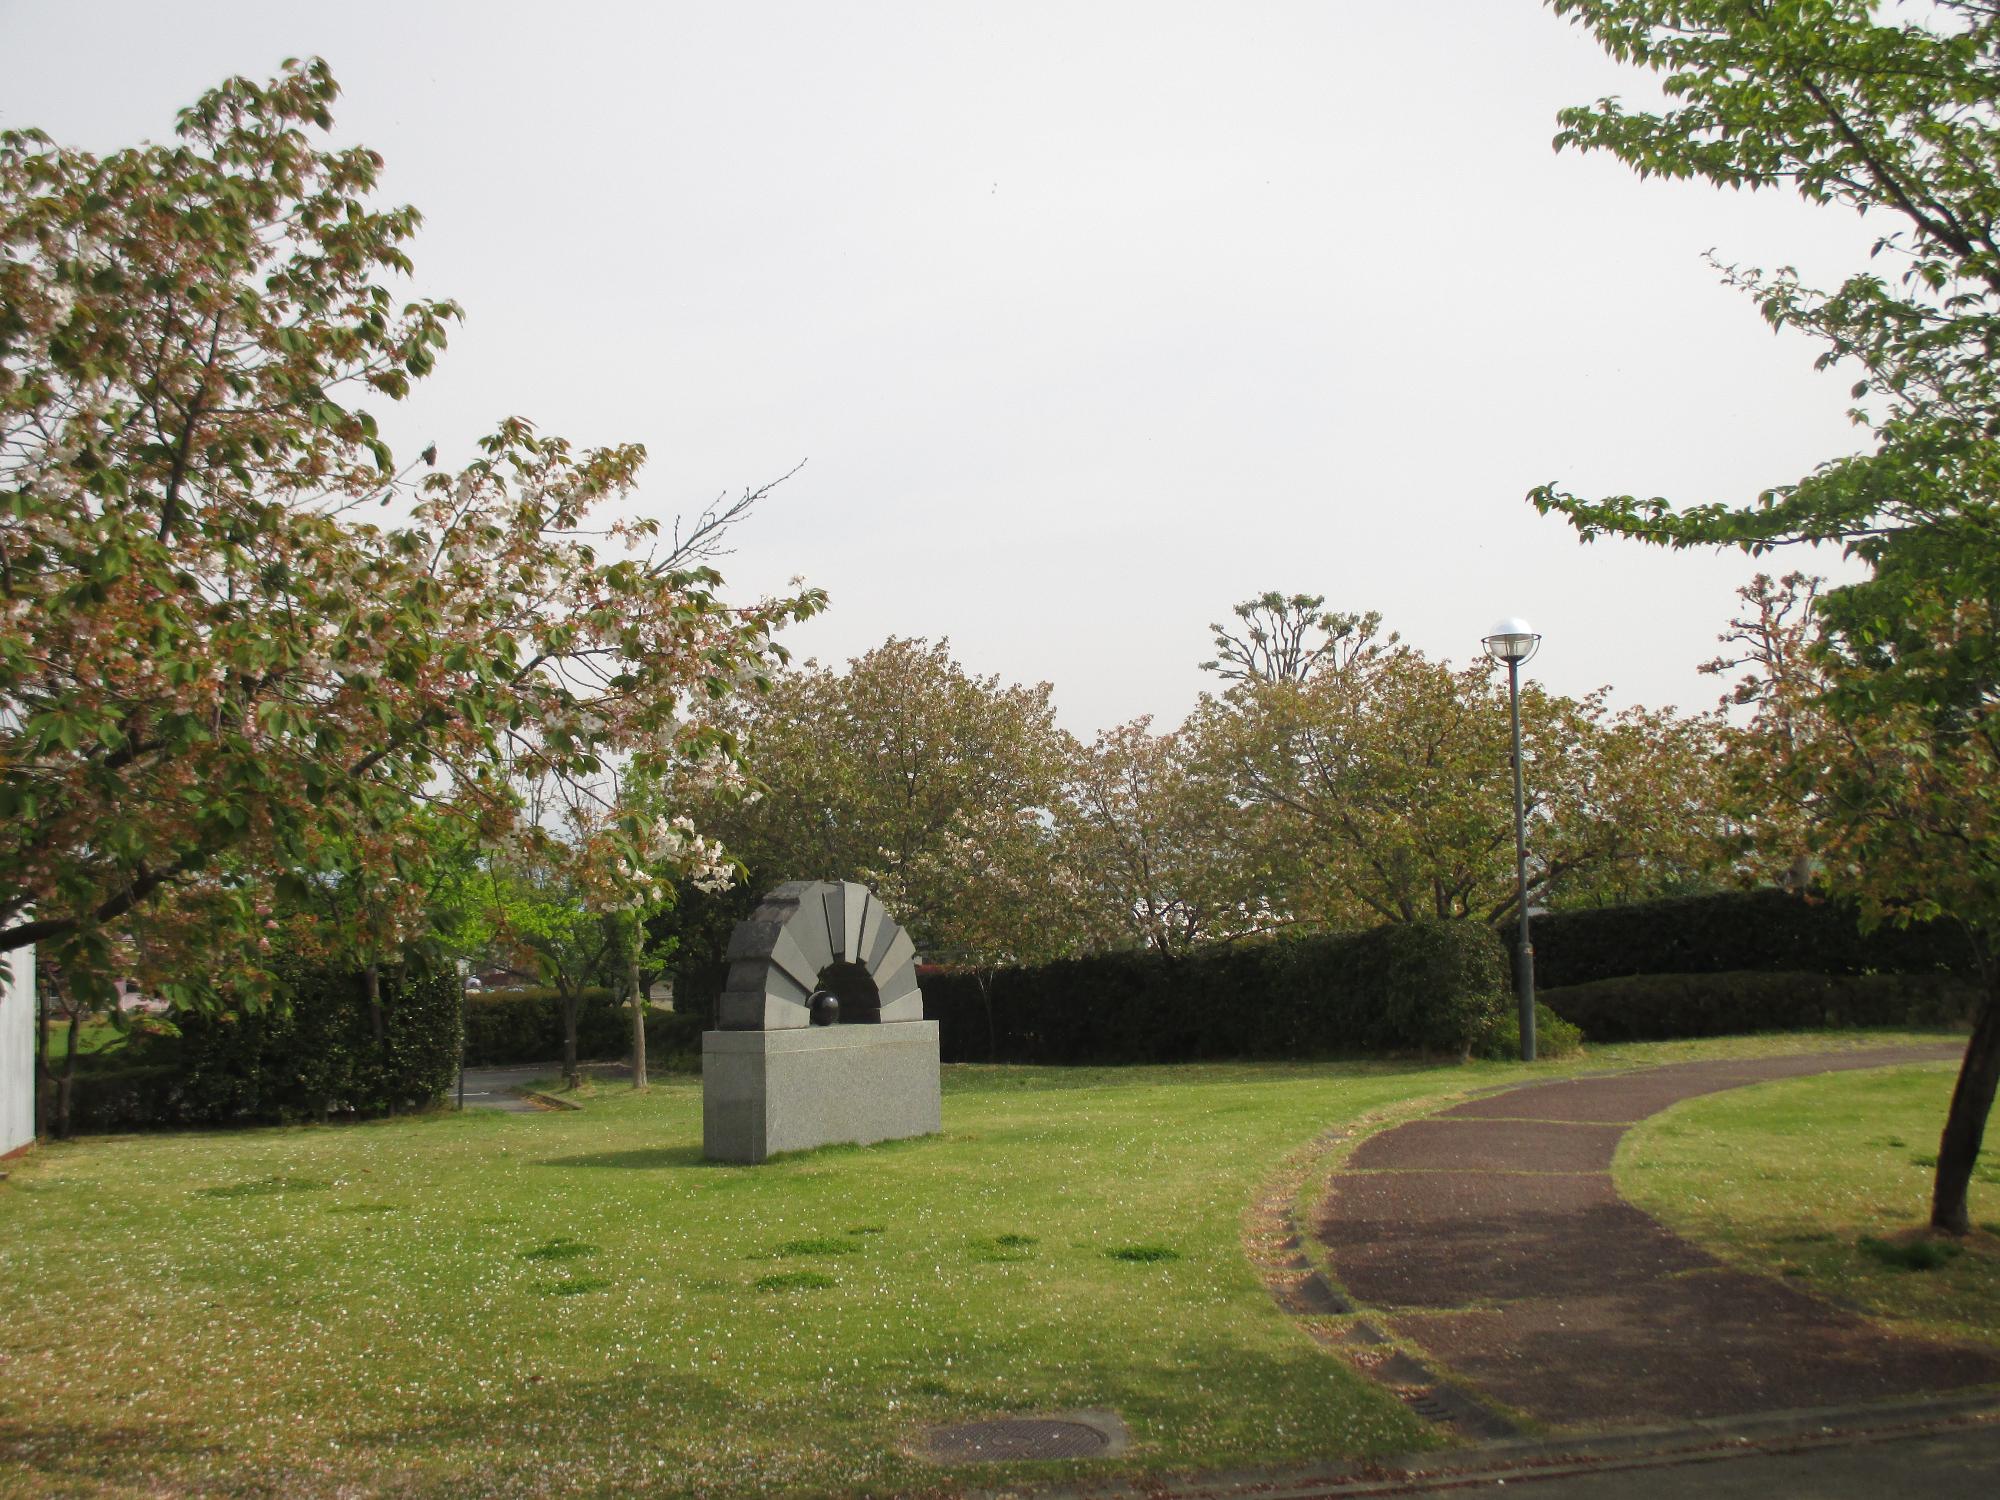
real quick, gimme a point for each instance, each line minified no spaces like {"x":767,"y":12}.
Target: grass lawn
{"x":92,"y":1036}
{"x":576,"y":1303}
{"x":1814,"y":1179}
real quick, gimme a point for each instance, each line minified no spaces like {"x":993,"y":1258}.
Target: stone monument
{"x":822,"y":1036}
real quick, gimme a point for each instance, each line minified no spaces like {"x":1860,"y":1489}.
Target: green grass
{"x":91,"y":1036}
{"x":578,"y":1303}
{"x":1814,"y":1179}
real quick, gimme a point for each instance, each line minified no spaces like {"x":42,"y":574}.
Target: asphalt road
{"x":1959,"y":1464}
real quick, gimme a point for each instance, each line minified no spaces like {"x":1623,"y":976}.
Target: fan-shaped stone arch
{"x":799,"y":931}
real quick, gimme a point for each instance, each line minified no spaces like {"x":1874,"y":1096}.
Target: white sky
{"x":1090,"y":319}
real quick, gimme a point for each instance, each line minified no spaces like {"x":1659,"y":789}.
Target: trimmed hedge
{"x":103,"y":1100}
{"x":1731,"y":931}
{"x":314,"y":1054}
{"x":317,"y":1054}
{"x":1409,"y":987}
{"x":1662,"y":1007}
{"x":315,"y":1058}
{"x":526,"y":1027}
{"x":672,"y":1037}
{"x":522,"y":1026}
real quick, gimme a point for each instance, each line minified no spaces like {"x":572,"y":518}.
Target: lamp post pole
{"x":1514,"y":641}
{"x":1524,"y":950}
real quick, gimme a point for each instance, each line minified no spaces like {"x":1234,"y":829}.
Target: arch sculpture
{"x":772,"y":1080}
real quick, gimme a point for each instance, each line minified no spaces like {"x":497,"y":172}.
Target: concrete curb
{"x":550,"y":1101}
{"x":1518,"y":1460}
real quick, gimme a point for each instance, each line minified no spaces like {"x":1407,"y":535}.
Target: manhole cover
{"x":1010,"y":1438}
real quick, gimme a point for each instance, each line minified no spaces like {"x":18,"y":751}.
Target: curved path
{"x":1492,"y":1237}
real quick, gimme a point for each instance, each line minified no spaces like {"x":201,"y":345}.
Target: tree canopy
{"x":911,"y":774}
{"x":1383,"y":777}
{"x":240,"y":642}
{"x":1894,"y":112}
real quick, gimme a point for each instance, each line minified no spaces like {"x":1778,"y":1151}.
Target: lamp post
{"x":1513,"y":641}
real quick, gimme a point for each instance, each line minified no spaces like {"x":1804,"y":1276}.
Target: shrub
{"x":501,"y":1029}
{"x":671,"y":1036}
{"x":1434,"y":986}
{"x":1735,"y":930}
{"x":105,"y":1099}
{"x":317,"y":1054}
{"x":1554,"y":1037}
{"x":315,"y":1051}
{"x":1661,"y":1007}
{"x":525,"y":1026}
{"x":312,"y":1052}
{"x":698,"y":984}
{"x":1423,"y":986}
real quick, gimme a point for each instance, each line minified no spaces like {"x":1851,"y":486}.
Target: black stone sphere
{"x":824,"y":1008}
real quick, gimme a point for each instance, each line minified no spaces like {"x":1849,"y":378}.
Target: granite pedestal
{"x":805,"y":1086}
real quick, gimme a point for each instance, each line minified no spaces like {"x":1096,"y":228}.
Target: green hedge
{"x":312,"y":1053}
{"x":1661,"y":1007}
{"x":673,"y":1039}
{"x":316,"y":1053}
{"x":113,"y":1098}
{"x":526,"y":1027}
{"x":317,"y":1056}
{"x":595,"y":994}
{"x":523,"y":1026}
{"x":1730,"y":931}
{"x":1411,"y":987}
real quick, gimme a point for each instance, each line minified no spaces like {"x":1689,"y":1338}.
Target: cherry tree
{"x":238,"y":643}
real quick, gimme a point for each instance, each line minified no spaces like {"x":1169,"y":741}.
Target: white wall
{"x":17,"y":1050}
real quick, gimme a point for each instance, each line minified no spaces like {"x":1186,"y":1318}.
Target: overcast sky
{"x":1087,"y":319}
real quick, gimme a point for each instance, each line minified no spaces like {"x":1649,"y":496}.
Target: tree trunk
{"x":984,"y":979}
{"x":372,"y":978}
{"x":638,"y":1025}
{"x":1965,"y":1122}
{"x":68,"y":1079}
{"x":570,"y":1005}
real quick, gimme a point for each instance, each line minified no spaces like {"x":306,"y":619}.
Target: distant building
{"x":501,"y":979}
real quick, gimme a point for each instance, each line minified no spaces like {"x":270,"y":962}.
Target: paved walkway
{"x":499,"y":1088}
{"x":1492,"y":1237}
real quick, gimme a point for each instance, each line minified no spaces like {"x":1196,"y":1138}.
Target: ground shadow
{"x":65,"y":1453}
{"x":652,"y":1159}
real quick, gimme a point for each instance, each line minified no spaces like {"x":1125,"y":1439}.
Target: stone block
{"x":845,"y":903}
{"x":759,"y":1010}
{"x":793,"y":1089}
{"x":872,"y":917}
{"x":891,"y":949}
{"x":902,"y":1000}
{"x":779,"y":912}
